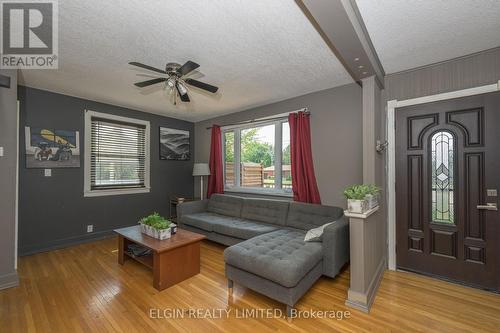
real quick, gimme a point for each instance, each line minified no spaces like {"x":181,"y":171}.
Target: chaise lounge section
{"x":267,"y":252}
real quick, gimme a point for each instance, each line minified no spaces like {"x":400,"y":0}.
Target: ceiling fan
{"x":175,"y":79}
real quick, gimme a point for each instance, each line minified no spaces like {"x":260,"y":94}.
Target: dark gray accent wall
{"x":8,"y":167}
{"x":336,"y":130}
{"x":53,"y":211}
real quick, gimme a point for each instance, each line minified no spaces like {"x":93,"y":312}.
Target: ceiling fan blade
{"x":188,"y":67}
{"x":202,"y":85}
{"x":138,"y":64}
{"x":185,"y":97}
{"x":150,"y":82}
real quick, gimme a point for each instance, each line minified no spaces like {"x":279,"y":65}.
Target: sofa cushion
{"x":308,"y":216}
{"x":263,"y":210}
{"x":225,"y":205}
{"x":281,"y":256}
{"x":206,"y":220}
{"x":243,"y":229}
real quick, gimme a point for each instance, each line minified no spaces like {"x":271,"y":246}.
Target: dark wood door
{"x":447,"y":172}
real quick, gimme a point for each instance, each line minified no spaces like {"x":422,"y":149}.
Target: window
{"x":442,"y":170}
{"x":257,"y":158}
{"x":116,"y":155}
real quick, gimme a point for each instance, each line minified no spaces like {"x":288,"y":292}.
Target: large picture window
{"x":257,"y":158}
{"x":117,"y":155}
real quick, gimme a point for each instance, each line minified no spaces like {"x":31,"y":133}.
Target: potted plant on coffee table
{"x":156,"y":226}
{"x":162,"y":229}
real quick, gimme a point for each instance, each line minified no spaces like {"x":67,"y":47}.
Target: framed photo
{"x":48,"y":148}
{"x":174,"y":144}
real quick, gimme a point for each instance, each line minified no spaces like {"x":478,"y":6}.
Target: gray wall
{"x":369,"y":261}
{"x":53,"y":211}
{"x":336,"y":126}
{"x":374,"y":169}
{"x":466,"y":72}
{"x":8,"y":165}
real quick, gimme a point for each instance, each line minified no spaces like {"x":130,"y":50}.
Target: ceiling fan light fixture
{"x":171,"y":83}
{"x":182,"y":89}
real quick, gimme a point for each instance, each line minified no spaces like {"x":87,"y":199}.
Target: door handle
{"x":488,"y":206}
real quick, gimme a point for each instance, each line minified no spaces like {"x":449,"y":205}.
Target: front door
{"x":447,"y":182}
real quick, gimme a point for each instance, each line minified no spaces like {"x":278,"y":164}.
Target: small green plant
{"x":359,"y":192}
{"x":373,"y":189}
{"x":156,"y":221}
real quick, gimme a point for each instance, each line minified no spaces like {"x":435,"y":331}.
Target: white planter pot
{"x":158,"y":234}
{"x":148,"y":230}
{"x":357,"y":206}
{"x":372,"y":200}
{"x":162,"y":234}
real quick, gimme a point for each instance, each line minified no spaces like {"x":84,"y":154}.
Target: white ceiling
{"x":412,"y":33}
{"x":256,"y":52}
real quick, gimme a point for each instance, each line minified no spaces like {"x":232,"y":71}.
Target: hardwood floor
{"x":84,"y":289}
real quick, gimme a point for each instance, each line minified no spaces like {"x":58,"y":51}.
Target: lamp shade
{"x":201,"y":169}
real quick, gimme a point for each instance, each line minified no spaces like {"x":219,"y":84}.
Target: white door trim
{"x":16,"y":227}
{"x":392,"y":105}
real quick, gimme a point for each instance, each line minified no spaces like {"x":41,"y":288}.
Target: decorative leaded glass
{"x":442,"y":177}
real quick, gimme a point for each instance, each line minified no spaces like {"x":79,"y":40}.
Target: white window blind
{"x":118,"y":155}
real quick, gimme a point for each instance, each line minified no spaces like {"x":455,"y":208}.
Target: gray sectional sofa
{"x":267,"y":252}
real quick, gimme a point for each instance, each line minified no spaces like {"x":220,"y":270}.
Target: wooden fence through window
{"x":252,"y":175}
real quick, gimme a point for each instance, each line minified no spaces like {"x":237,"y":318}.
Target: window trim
{"x":87,"y":189}
{"x":278,"y":152}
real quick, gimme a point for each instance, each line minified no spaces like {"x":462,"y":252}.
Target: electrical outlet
{"x":1,"y":151}
{"x":90,"y":228}
{"x":48,"y":173}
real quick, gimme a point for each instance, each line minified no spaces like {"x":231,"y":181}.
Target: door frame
{"x":391,"y":107}
{"x":16,"y":227}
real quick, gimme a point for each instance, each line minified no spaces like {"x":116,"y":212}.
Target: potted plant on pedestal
{"x":361,"y":198}
{"x":372,"y":196}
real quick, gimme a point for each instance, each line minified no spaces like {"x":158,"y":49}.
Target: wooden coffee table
{"x":172,"y":260}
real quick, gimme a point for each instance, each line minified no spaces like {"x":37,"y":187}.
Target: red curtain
{"x":215,"y":181}
{"x":304,"y":184}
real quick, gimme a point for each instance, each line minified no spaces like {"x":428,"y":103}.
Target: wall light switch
{"x":48,"y":172}
{"x":1,"y":151}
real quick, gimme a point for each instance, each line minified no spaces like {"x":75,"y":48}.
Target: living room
{"x":249,"y":165}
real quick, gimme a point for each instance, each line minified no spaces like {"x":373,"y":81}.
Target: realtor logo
{"x":29,"y":34}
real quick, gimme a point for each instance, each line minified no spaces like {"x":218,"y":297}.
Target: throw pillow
{"x":316,"y":234}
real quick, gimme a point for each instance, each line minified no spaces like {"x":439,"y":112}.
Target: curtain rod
{"x":305,"y":110}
